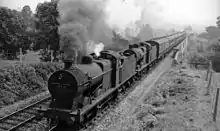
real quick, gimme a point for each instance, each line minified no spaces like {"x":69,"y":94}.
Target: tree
{"x":188,"y":28}
{"x":218,"y":22}
{"x":145,"y":33}
{"x":204,"y":35}
{"x":47,"y":25}
{"x":213,"y":32}
{"x":12,"y":31}
{"x":27,"y":15}
{"x":119,"y":43}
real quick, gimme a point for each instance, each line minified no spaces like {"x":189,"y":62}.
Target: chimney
{"x":70,"y":59}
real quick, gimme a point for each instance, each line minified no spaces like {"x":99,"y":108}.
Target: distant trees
{"x":218,"y":22}
{"x":47,"y":26}
{"x":23,"y":29}
{"x":188,"y":28}
{"x":145,"y":33}
{"x":213,"y":32}
{"x":13,"y":31}
{"x":119,"y":42}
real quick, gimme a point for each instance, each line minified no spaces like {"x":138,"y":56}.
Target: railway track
{"x":22,"y":119}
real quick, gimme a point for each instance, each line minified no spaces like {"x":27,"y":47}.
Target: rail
{"x":21,"y":117}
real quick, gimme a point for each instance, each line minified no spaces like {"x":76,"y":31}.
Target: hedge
{"x":20,"y":81}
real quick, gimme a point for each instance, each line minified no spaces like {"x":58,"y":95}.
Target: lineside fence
{"x":213,"y":86}
{"x":199,"y":65}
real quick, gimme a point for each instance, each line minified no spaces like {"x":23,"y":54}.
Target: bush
{"x":24,"y":80}
{"x":195,"y":57}
{"x":199,"y":51}
{"x":45,"y":56}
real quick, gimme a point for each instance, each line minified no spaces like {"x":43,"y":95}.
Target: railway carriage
{"x":163,"y":46}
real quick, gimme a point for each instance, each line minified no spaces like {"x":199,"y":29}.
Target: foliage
{"x":13,"y":30}
{"x":145,"y":33}
{"x":195,"y":57}
{"x":213,"y":32}
{"x":198,"y":51}
{"x":214,"y":38}
{"x":47,"y":26}
{"x":24,"y":80}
{"x":218,"y":22}
{"x":204,"y":35}
{"x":45,"y":56}
{"x":188,"y":28}
{"x":119,"y":43}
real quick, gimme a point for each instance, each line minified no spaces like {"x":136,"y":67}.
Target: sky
{"x":190,"y":11}
{"x":18,"y":4}
{"x":199,"y":13}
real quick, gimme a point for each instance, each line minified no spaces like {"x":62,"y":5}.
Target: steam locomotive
{"x":79,"y":91}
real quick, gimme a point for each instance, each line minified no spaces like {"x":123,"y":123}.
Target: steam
{"x":82,"y":21}
{"x":123,"y":15}
{"x":98,"y":48}
{"x":92,"y":47}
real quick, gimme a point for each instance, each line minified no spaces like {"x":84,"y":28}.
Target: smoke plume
{"x":86,"y":23}
{"x":82,"y":21}
{"x":123,"y":15}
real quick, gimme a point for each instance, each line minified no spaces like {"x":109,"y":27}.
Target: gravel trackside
{"x":176,"y":102}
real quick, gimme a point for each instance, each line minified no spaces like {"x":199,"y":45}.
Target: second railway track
{"x":21,"y":119}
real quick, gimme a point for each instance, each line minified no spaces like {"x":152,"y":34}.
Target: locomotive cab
{"x":148,"y":49}
{"x":114,"y":57}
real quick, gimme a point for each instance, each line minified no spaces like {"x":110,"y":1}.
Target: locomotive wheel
{"x":98,"y":92}
{"x":123,"y":87}
{"x":133,"y":79}
{"x":120,"y":90}
{"x":147,"y":69}
{"x":52,"y":122}
{"x":129,"y":84}
{"x":136,"y":77}
{"x":143,"y":72}
{"x":86,"y":101}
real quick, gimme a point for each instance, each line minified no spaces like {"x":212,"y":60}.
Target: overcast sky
{"x":16,"y":4}
{"x":201,"y":12}
{"x":181,"y":12}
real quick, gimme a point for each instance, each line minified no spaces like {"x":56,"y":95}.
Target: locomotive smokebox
{"x":65,"y":85}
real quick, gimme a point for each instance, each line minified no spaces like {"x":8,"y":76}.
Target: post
{"x":210,"y":80}
{"x":51,"y":55}
{"x":208,"y":71}
{"x":216,"y":105}
{"x":48,"y":47}
{"x":21,"y":55}
{"x":196,"y":64}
